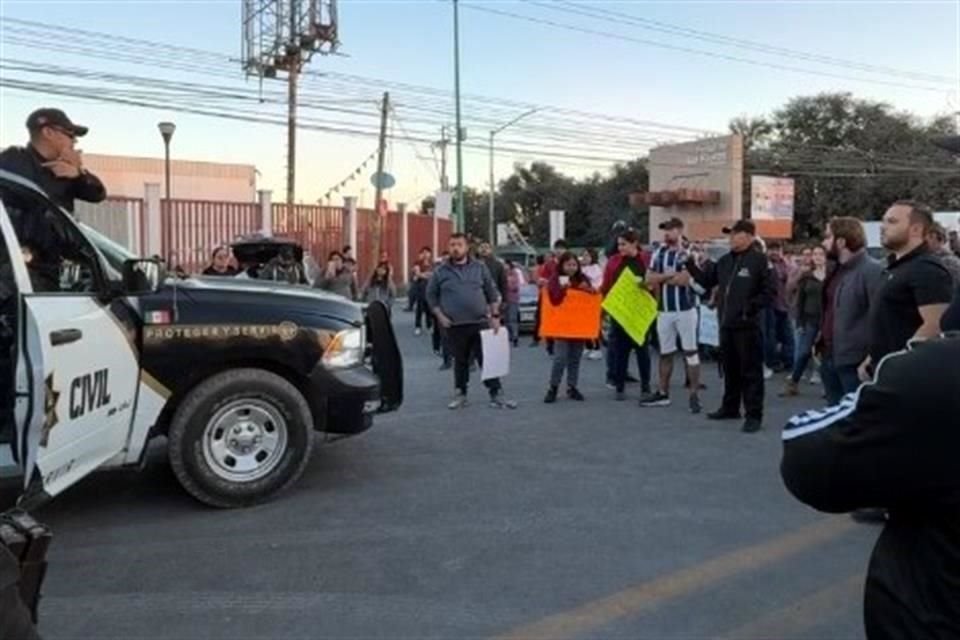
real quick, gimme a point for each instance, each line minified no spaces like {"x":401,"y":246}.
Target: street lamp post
{"x":166,"y":131}
{"x":459,"y":133}
{"x":491,"y":203}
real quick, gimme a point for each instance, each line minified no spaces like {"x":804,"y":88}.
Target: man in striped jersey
{"x":677,"y":318}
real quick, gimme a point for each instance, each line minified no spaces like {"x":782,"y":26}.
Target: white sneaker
{"x":417,"y":332}
{"x":815,"y":378}
{"x":594,"y":354}
{"x":767,"y":372}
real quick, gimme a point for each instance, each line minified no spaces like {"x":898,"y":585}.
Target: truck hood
{"x":264,"y":298}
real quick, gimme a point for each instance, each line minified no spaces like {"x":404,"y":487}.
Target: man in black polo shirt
{"x":915,"y":288}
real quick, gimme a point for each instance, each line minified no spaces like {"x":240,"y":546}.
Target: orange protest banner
{"x":576,"y":318}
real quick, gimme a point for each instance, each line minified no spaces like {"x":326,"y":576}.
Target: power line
{"x":683,"y":49}
{"x":619,"y":17}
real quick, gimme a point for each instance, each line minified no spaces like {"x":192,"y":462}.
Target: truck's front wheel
{"x":240,"y":437}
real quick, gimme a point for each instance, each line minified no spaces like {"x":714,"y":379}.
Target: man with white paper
{"x":465,"y":300}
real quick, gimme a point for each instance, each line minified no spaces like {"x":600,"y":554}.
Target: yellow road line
{"x":645,"y":596}
{"x":820,"y":606}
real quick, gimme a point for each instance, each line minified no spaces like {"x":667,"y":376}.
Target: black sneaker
{"x":723,"y":414}
{"x":657,"y":399}
{"x":695,"y":406}
{"x":551,"y":396}
{"x":574,"y":394}
{"x":751,"y":425}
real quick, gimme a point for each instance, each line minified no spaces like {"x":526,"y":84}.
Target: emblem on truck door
{"x":51,"y":397}
{"x":89,"y":392}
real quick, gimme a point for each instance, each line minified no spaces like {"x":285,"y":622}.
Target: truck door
{"x":77,"y":370}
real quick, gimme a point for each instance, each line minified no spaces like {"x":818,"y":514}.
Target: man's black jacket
{"x":498,"y":271}
{"x":894,"y":444}
{"x":745,"y":285}
{"x":27,"y":163}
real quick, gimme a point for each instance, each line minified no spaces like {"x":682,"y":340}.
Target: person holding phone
{"x":567,"y":353}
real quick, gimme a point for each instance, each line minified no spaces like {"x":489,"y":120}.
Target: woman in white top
{"x":594,"y":272}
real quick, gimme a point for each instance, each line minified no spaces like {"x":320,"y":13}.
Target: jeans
{"x":422,"y":313}
{"x":777,"y":338}
{"x":513,"y":320}
{"x":439,"y":342}
{"x":742,"y":353}
{"x":464,"y":343}
{"x":805,"y":339}
{"x":838,"y":381}
{"x":619,"y":349}
{"x":566,"y":356}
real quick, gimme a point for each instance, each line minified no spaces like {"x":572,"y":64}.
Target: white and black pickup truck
{"x":239,"y":375}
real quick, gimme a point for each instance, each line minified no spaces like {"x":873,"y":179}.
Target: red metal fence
{"x":318,"y":229}
{"x":192,"y":229}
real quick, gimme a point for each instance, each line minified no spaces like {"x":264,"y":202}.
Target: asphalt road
{"x":592,"y":520}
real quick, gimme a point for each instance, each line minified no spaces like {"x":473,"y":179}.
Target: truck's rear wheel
{"x":240,"y":437}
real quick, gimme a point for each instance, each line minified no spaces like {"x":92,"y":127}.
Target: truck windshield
{"x":115,"y":254}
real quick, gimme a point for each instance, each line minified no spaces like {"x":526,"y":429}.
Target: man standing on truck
{"x":464,"y":298}
{"x":51,"y":160}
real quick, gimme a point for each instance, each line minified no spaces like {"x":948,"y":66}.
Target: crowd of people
{"x":824,"y":313}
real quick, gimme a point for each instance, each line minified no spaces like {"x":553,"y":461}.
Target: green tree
{"x":849,"y":156}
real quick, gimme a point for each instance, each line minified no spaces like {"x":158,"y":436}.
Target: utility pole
{"x":381,"y":153}
{"x":292,"y":132}
{"x":442,"y":143}
{"x":281,"y":36}
{"x":444,"y":183}
{"x":459,"y":133}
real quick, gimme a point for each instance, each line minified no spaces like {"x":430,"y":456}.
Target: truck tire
{"x":240,"y":437}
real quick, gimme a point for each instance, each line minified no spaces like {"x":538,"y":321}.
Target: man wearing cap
{"x":51,"y":161}
{"x":677,"y":317}
{"x":745,"y":285}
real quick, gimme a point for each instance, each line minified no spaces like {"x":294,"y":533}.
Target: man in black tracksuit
{"x":745,"y":285}
{"x":894,"y":444}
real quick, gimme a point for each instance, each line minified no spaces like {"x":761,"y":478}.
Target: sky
{"x":614,"y":75}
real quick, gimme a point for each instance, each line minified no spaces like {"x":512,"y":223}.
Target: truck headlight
{"x":346,"y":349}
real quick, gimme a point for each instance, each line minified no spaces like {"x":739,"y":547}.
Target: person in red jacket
{"x":544,"y":272}
{"x":620,"y":344}
{"x":568,"y":352}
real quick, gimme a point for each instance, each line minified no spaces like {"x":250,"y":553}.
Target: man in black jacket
{"x":894,"y":444}
{"x":51,"y":160}
{"x":745,"y":286}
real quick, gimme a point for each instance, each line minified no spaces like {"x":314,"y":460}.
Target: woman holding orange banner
{"x":567,"y":352}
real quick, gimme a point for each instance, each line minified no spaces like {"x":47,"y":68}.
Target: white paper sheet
{"x":496,"y":353}
{"x":709,"y":327}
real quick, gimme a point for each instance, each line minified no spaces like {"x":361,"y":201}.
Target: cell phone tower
{"x":280,"y":36}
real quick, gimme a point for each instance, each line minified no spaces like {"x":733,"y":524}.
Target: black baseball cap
{"x":54,"y":118}
{"x":672,"y":223}
{"x":742,"y":226}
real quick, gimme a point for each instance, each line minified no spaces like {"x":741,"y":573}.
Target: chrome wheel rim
{"x":245,"y":440}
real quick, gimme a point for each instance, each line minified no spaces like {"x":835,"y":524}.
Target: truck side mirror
{"x":142,"y":275}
